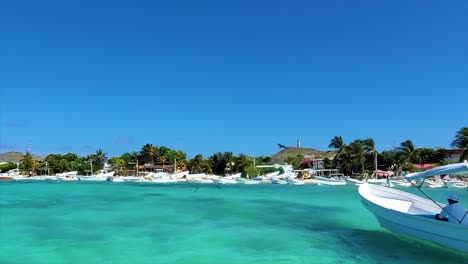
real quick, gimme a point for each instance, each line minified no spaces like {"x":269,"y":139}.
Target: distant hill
{"x":15,"y":157}
{"x":318,"y":154}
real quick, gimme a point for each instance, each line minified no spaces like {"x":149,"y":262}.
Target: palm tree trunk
{"x":375,"y":162}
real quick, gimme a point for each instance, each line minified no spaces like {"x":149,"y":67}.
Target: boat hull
{"x":353,"y":182}
{"x":328,"y":181}
{"x":421,"y":225}
{"x":455,"y":184}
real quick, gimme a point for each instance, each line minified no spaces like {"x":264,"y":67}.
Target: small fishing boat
{"x":408,"y":214}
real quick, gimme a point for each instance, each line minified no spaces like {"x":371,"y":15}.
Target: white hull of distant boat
{"x":353,"y":182}
{"x":292,"y":181}
{"x":180,"y":175}
{"x":103,"y":175}
{"x":67,"y":174}
{"x":433,"y":184}
{"x":244,"y":181}
{"x":224,"y":180}
{"x":455,"y":184}
{"x":201,"y":180}
{"x":92,"y":178}
{"x":162,"y":180}
{"x":381,"y":182}
{"x":115,"y":179}
{"x":275,"y":180}
{"x":409,"y":214}
{"x":133,"y":179}
{"x":328,"y":181}
{"x":399,"y":183}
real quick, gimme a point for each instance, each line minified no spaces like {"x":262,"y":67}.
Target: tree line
{"x":357,"y":156}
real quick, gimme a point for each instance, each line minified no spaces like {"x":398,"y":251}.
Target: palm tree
{"x":118,"y":164}
{"x":243,"y":164}
{"x":34,"y":166}
{"x":197,"y":163}
{"x":461,"y":142}
{"x":162,"y":159}
{"x":216,"y":163}
{"x":26,"y":163}
{"x":100,"y":157}
{"x":369,"y":148}
{"x":337,"y":143}
{"x":407,"y":151}
{"x":148,"y":153}
{"x":356,"y":154}
{"x":135,"y":156}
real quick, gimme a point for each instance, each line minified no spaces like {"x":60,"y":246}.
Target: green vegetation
{"x":7,"y":166}
{"x":359,"y":156}
{"x":461,"y":142}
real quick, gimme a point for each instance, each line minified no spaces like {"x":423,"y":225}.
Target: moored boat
{"x":352,"y":181}
{"x":330,"y":181}
{"x":408,"y":214}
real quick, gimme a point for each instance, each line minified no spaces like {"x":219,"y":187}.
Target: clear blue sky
{"x":240,"y":76}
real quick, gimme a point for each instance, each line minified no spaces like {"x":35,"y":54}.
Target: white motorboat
{"x":433,"y":184}
{"x":455,"y":184}
{"x":329,"y":181}
{"x":237,"y":175}
{"x":11,"y":174}
{"x":352,"y":181}
{"x":115,"y":179}
{"x":245,"y":181}
{"x":224,"y":180}
{"x":190,"y":177}
{"x":162,"y":180}
{"x":399,"y":183}
{"x":102,"y":175}
{"x":105,"y":173}
{"x":133,"y":178}
{"x":201,"y":180}
{"x":179,"y":175}
{"x":276,"y":180}
{"x":381,"y":182}
{"x":411,"y":215}
{"x":67,"y":174}
{"x":293,"y":181}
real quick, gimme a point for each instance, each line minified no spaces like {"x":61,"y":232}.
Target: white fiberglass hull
{"x":455,"y":184}
{"x":223,"y":180}
{"x":278,"y":181}
{"x":162,"y":180}
{"x":328,"y":181}
{"x":399,"y":183}
{"x":351,"y":181}
{"x":408,"y":214}
{"x":133,"y":179}
{"x":199,"y":180}
{"x":381,"y":182}
{"x":244,"y":181}
{"x":294,"y":181}
{"x":92,"y":178}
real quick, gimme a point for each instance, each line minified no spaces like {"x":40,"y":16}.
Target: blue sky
{"x":240,"y":76}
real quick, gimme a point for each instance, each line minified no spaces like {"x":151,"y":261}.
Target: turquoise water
{"x":75,"y":222}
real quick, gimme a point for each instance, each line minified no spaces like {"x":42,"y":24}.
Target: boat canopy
{"x":458,"y":168}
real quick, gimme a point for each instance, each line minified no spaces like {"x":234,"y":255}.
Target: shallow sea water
{"x":76,"y":222}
